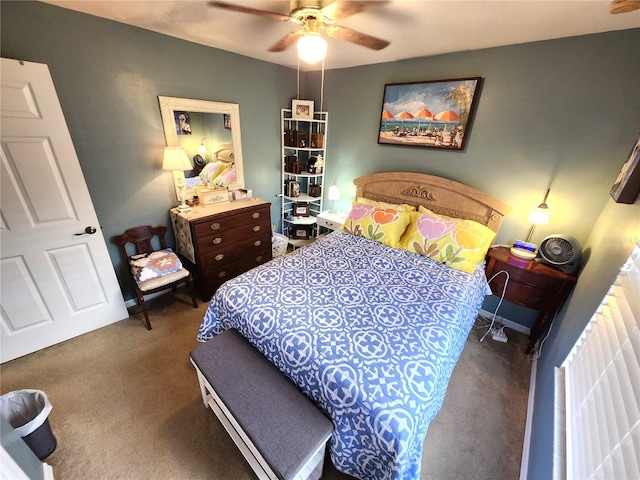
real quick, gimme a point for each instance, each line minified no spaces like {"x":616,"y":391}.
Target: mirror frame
{"x":169,"y":105}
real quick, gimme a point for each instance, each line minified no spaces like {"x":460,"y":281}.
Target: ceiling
{"x":415,"y":28}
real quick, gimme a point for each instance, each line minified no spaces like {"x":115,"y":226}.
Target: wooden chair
{"x":152,"y":272}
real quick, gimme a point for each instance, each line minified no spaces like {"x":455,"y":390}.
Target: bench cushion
{"x":285,"y":426}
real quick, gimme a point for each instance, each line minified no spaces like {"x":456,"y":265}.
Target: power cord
{"x":495,"y":313}
{"x":536,"y":354}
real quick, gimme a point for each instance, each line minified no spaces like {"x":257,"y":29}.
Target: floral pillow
{"x":147,"y":266}
{"x":211,"y":171}
{"x":460,"y":244}
{"x":382,"y":225}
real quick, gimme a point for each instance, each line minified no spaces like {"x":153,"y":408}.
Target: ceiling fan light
{"x":312,"y":47}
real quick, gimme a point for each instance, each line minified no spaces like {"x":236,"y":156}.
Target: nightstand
{"x":331,"y":219}
{"x":531,"y":284}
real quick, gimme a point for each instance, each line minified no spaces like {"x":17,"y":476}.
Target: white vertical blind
{"x":597,"y":397}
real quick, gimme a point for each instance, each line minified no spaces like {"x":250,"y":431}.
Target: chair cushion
{"x":147,"y":266}
{"x":164,"y":280}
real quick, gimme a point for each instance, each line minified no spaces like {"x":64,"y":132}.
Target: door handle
{"x":88,"y":231}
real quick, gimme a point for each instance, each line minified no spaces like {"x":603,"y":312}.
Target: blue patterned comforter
{"x":370,"y":333}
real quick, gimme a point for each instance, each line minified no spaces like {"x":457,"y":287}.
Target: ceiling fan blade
{"x":339,"y":10}
{"x":252,"y":11}
{"x":342,"y":33}
{"x":285,"y":42}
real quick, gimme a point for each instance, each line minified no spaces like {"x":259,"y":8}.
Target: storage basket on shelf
{"x":279,"y":245}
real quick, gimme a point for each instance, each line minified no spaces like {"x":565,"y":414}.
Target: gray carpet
{"x":126,"y":405}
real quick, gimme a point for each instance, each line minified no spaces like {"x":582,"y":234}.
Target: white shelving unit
{"x":303,"y":142}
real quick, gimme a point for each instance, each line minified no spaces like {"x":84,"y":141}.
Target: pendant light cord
{"x":322,"y":87}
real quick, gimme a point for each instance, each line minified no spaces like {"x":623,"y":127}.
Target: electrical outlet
{"x":498,"y":335}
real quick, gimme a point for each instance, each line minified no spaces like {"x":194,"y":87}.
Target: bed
{"x":368,"y":327}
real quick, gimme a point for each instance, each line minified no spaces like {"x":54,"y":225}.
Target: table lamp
{"x":176,"y":160}
{"x":334,"y":194}
{"x":538,"y":216}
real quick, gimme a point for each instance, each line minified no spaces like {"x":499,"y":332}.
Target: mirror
{"x":210,"y":134}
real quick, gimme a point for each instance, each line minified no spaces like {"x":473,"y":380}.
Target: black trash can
{"x":27,"y":411}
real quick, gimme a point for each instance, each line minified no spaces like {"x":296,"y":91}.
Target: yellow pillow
{"x":403,"y":207}
{"x":460,"y":244}
{"x":382,"y":225}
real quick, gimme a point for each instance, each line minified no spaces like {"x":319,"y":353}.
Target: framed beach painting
{"x":429,"y":114}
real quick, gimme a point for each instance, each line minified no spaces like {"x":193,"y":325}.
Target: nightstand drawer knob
{"x":222,"y":274}
{"x":257,"y":243}
{"x":215,"y":226}
{"x":256,"y":215}
{"x":256,"y":228}
{"x":219,"y":257}
{"x":258,"y":259}
{"x":217,"y":241}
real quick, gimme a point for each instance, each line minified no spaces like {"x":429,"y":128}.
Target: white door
{"x":56,"y":281}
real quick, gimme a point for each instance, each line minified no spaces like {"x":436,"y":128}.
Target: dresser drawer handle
{"x":222,"y":274}
{"x":220,"y":256}
{"x":256,"y":215}
{"x":256,"y":228}
{"x":215,"y":226}
{"x":258,"y":259}
{"x":257,"y":243}
{"x":217,"y":241}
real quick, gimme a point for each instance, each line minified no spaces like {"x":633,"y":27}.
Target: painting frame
{"x":626,"y":187}
{"x":455,"y":101}
{"x":302,"y":109}
{"x":301,"y":209}
{"x":182,"y":121}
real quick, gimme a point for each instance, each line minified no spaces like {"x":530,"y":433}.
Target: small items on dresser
{"x":242,"y":193}
{"x":212,"y":195}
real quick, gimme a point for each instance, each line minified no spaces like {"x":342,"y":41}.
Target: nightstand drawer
{"x":531,"y":284}
{"x":523,"y":289}
{"x":332,"y":221}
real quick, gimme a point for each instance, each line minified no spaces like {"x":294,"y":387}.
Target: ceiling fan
{"x":316,"y":17}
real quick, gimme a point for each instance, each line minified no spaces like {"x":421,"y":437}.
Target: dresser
{"x":531,"y":284}
{"x":221,"y":241}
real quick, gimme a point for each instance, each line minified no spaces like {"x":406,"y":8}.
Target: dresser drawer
{"x":251,"y":248}
{"x":231,"y":221}
{"x":215,"y":276}
{"x":240,"y":234}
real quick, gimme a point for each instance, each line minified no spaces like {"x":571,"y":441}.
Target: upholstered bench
{"x":280,"y":432}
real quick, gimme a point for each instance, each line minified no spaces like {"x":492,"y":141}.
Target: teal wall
{"x":561,"y":113}
{"x":615,"y":233}
{"x":108,"y":77}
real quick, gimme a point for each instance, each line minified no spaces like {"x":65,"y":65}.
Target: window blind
{"x":597,"y":389}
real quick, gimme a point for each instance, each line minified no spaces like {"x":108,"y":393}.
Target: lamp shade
{"x":540,"y":215}
{"x":175,"y":158}
{"x":312,"y":47}
{"x":334,"y":192}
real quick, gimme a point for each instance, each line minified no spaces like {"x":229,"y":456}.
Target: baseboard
{"x":524,"y":463}
{"x":134,"y":302}
{"x":507,"y":323}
